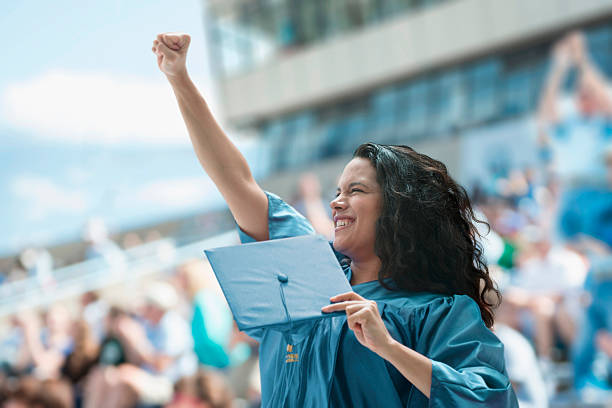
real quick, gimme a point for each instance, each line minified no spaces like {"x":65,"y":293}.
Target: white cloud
{"x":43,"y":198}
{"x":175,"y":194}
{"x":97,"y":108}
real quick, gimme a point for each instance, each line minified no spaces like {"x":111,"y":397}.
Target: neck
{"x":365,"y":270}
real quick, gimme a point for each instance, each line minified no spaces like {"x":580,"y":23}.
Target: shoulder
{"x":425,"y":312}
{"x":425,"y":303}
{"x":284,"y":221}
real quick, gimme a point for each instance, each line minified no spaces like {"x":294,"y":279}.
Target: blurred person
{"x":545,"y":288}
{"x":577,"y":128}
{"x":496,"y":212}
{"x":54,"y":393}
{"x":205,"y":389}
{"x":82,"y":358}
{"x":244,"y":378}
{"x":38,"y":263}
{"x":218,"y":343}
{"x":100,"y":245}
{"x":310,"y":203}
{"x":21,"y":392}
{"x":431,"y":286}
{"x":94,"y":311}
{"x":592,"y":353}
{"x":29,"y":392}
{"x":523,"y":369}
{"x":158,"y":352}
{"x":211,"y":319}
{"x":577,"y":131}
{"x":111,"y":350}
{"x":15,"y":359}
{"x":46,"y":345}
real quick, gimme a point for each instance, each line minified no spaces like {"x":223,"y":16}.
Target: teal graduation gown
{"x":321,"y":364}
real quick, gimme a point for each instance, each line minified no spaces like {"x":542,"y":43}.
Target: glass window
{"x":310,"y":22}
{"x":482,"y":80}
{"x":381,"y":117}
{"x":390,"y":8}
{"x":414,"y":109}
{"x":515,"y":93}
{"x":447,"y":102}
{"x":355,"y":132}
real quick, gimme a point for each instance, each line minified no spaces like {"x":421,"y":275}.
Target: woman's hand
{"x":364,"y":320}
{"x":171,"y":51}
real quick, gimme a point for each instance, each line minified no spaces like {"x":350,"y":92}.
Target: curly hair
{"x":425,"y":236}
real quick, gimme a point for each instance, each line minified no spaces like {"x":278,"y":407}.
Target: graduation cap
{"x":280,"y":283}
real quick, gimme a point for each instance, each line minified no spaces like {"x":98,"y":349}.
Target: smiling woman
{"x":415,"y":331}
{"x":355,"y":210}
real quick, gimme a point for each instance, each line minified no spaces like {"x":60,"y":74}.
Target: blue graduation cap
{"x":278,"y":284}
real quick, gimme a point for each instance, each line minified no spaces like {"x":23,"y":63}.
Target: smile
{"x":343,"y":223}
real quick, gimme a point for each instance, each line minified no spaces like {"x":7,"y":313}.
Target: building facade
{"x":314,"y":78}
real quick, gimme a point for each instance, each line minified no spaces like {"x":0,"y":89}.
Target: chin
{"x":338,"y":247}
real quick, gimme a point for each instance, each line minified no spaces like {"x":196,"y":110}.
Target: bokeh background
{"x":105,"y":211}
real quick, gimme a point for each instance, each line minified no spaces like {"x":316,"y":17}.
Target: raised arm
{"x":547,"y":110}
{"x":591,"y":79}
{"x":219,"y":157}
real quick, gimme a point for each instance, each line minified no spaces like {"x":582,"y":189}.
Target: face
{"x":355,"y":209}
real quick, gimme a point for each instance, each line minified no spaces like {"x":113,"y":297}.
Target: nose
{"x":338,"y":203}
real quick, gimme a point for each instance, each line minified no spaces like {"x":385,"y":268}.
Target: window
{"x":482,"y":80}
{"x":447,"y":102}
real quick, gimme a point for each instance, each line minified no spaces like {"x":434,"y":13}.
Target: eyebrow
{"x":353,"y":184}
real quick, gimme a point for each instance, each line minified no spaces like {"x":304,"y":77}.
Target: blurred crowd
{"x":550,"y":241}
{"x":548,"y":244}
{"x":171,"y":343}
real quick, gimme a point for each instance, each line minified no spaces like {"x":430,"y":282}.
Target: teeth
{"x":343,"y":223}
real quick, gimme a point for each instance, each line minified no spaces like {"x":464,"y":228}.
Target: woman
{"x":415,"y":330}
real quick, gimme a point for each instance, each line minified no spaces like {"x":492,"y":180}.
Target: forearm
{"x":594,"y":80}
{"x":33,"y":344}
{"x":547,"y":110}
{"x":221,"y":159}
{"x":415,"y":367}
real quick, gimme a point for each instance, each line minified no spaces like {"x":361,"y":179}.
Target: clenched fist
{"x":171,"y":51}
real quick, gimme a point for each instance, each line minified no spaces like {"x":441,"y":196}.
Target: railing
{"x":98,"y":273}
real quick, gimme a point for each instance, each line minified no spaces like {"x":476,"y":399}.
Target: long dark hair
{"x":425,"y":236}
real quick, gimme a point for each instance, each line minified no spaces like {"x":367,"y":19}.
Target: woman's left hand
{"x":364,"y":319}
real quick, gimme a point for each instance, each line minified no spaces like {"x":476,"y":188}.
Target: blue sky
{"x":89,"y":126}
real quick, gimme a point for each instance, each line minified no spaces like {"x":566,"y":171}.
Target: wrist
{"x":179,"y":78}
{"x":390,"y":349}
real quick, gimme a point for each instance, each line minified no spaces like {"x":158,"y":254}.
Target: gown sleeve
{"x":283,"y":221}
{"x":468,"y":368}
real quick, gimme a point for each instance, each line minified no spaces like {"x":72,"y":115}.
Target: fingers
{"x":175,"y":41}
{"x":346,"y":296}
{"x":358,"y":318}
{"x":163,"y":48}
{"x":340,"y":306}
{"x":351,"y":306}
